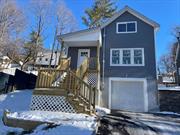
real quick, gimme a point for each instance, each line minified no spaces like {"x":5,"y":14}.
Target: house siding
{"x":73,"y":53}
{"x":144,"y":38}
{"x":151,"y":92}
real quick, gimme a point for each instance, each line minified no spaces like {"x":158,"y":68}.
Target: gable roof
{"x":133,"y":12}
{"x":115,"y":16}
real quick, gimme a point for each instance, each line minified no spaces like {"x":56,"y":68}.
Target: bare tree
{"x":64,"y":22}
{"x":167,"y":64}
{"x":41,"y":10}
{"x":167,"y":61}
{"x":12,"y":22}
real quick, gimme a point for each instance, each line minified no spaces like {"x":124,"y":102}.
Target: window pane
{"x":126,"y":60}
{"x":115,"y":53}
{"x":126,"y":57}
{"x":121,"y":27}
{"x":84,"y":54}
{"x":131,"y":27}
{"x":137,"y":60}
{"x":137,"y":56}
{"x":138,"y":53}
{"x":126,"y":53}
{"x":115,"y":60}
{"x":115,"y":56}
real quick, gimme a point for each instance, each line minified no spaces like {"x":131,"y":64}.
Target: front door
{"x":82,"y":54}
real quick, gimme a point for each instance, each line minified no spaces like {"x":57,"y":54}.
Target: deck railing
{"x":82,"y":68}
{"x":64,"y":63}
{"x":83,"y":91}
{"x":49,"y":77}
{"x":68,"y":80}
{"x":89,"y":64}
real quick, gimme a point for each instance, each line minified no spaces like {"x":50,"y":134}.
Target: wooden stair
{"x":51,"y":92}
{"x":58,"y":82}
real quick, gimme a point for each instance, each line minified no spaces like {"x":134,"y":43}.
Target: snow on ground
{"x":15,"y":101}
{"x":101,"y":111}
{"x":168,"y":113}
{"x":163,"y":87}
{"x":64,"y":129}
{"x":47,"y":116}
{"x":67,"y":124}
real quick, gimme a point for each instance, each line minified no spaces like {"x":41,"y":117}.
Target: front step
{"x":51,"y":92}
{"x":78,"y":105}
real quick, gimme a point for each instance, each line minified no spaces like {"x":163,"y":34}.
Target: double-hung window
{"x":126,"y":27}
{"x":115,"y":56}
{"x":138,"y":56}
{"x":127,"y":57}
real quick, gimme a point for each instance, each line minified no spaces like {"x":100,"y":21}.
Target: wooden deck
{"x":64,"y":82}
{"x":50,"y":91}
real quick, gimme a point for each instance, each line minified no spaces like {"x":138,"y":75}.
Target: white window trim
{"x":132,"y":57}
{"x":126,"y":27}
{"x":79,"y":53}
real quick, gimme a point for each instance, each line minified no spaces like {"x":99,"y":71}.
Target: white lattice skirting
{"x":51,"y":103}
{"x":92,"y":79}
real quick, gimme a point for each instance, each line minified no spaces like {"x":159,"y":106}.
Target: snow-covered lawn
{"x":65,"y":123}
{"x":16,"y":101}
{"x":163,"y":87}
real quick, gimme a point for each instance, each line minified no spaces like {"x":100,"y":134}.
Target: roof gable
{"x":133,"y":12}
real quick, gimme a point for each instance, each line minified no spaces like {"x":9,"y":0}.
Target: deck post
{"x":90,"y":98}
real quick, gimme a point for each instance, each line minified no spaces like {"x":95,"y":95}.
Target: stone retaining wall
{"x":169,"y":100}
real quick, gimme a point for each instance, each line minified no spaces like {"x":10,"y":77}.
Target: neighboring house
{"x":43,"y":59}
{"x":4,"y":61}
{"x":125,"y":48}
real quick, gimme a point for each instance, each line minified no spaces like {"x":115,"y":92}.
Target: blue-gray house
{"x":123,"y":50}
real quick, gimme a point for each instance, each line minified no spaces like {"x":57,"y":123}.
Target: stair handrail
{"x":82,"y":69}
{"x":91,"y":91}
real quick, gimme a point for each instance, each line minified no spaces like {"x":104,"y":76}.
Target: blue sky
{"x":164,"y":12}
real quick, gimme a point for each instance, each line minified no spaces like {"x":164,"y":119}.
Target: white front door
{"x":82,"y":54}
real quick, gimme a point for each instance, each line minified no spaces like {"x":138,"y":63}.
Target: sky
{"x":164,"y":12}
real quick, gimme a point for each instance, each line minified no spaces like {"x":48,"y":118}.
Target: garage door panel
{"x":127,"y":95}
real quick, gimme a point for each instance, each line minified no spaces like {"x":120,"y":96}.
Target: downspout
{"x":104,"y":44}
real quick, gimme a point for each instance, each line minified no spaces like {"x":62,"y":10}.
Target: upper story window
{"x":126,"y":27}
{"x":127,"y":57}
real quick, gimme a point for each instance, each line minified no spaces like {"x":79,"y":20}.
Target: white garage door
{"x":128,"y":95}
